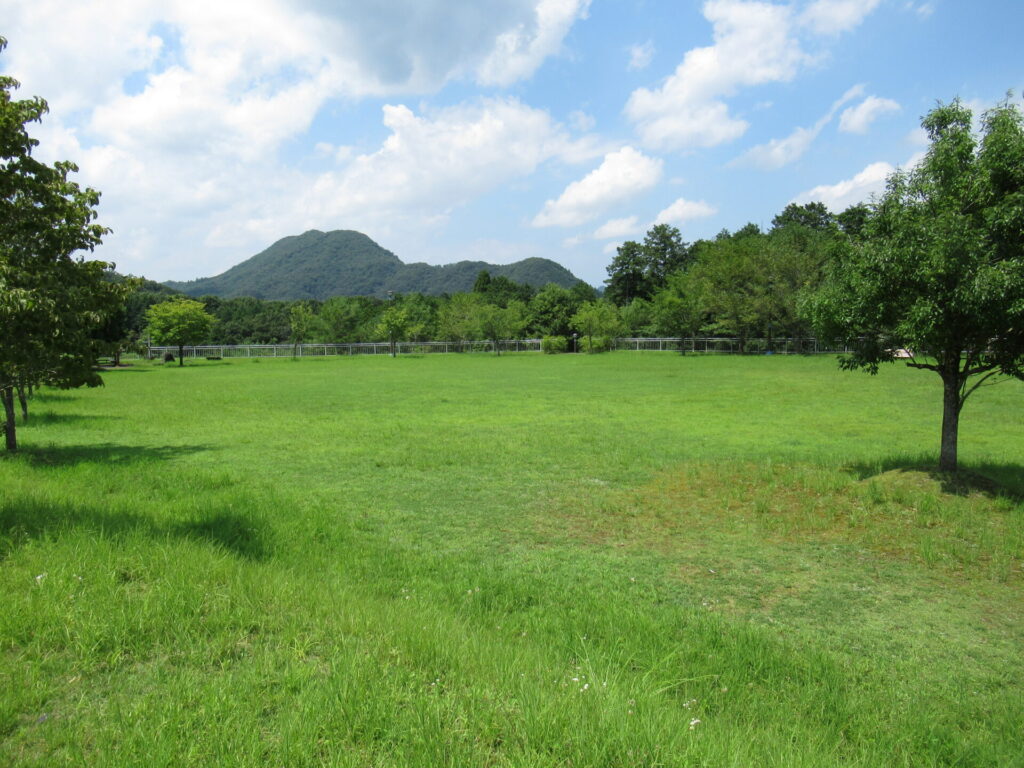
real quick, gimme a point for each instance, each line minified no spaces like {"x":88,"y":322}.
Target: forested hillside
{"x":319,"y":265}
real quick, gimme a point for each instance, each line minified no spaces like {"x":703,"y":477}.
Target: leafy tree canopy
{"x":179,"y":322}
{"x":939,"y":274}
{"x":52,"y":305}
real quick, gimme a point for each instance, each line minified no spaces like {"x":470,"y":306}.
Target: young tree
{"x":51,"y":304}
{"x":597,"y":318}
{"x":179,"y":322}
{"x":495,"y":323}
{"x":940,"y":270}
{"x":303,"y":323}
{"x":393,"y":326}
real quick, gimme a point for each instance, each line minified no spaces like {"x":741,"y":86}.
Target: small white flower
{"x":40,"y":577}
{"x":694,"y":723}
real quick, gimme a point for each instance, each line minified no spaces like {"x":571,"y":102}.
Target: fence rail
{"x":698,"y":344}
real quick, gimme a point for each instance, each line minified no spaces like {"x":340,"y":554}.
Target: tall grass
{"x":620,"y":560}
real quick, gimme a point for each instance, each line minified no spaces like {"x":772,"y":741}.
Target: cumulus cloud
{"x":618,"y":228}
{"x":754,"y":44}
{"x":233,"y":204}
{"x":780,"y":152}
{"x":859,"y":118}
{"x":517,"y":52}
{"x":640,"y":56}
{"x":682,"y":211}
{"x":180,"y":111}
{"x":621,"y":175}
{"x":843,"y":194}
{"x":831,"y":17}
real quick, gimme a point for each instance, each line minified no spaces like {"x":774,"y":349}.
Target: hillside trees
{"x":51,"y":303}
{"x":940,"y":268}
{"x":179,"y":322}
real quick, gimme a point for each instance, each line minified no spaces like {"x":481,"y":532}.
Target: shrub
{"x":600,"y":344}
{"x":553,"y":345}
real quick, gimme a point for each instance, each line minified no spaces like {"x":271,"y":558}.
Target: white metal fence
{"x":331,"y":350}
{"x":700,"y":345}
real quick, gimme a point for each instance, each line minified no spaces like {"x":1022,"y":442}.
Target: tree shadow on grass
{"x":994,"y":479}
{"x":105,"y":453}
{"x":23,"y":520}
{"x":52,"y":417}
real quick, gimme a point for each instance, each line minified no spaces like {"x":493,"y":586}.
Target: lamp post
{"x":575,"y":336}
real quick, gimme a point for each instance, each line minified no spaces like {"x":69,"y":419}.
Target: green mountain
{"x":318,"y":265}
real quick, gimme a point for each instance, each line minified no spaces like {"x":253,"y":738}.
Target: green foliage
{"x":554,"y":345}
{"x":500,"y":290}
{"x":679,"y":308}
{"x":304,"y":322}
{"x":638,"y":318}
{"x":940,"y":267}
{"x":814,"y":216}
{"x":457,"y":318}
{"x":597,"y":320}
{"x":350,"y":318}
{"x":393,"y":325}
{"x":53,"y":307}
{"x":179,"y":322}
{"x":640,"y":270}
{"x":596,"y":344}
{"x":551,"y":310}
{"x":321,"y":265}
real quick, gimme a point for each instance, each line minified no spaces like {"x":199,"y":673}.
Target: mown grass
{"x":620,"y":560}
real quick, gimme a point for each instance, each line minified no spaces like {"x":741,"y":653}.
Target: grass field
{"x":619,"y":560}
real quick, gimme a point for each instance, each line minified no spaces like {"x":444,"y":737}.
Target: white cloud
{"x":754,"y":44}
{"x":682,"y":211}
{"x":234,"y":204}
{"x":859,"y":118}
{"x":830,"y":17}
{"x":618,"y":228}
{"x":621,"y":175}
{"x":780,"y":152}
{"x":581,"y":121}
{"x":640,"y":56}
{"x":517,"y":52}
{"x":840,"y":196}
{"x":342,"y":47}
{"x":924,"y":10}
{"x":179,"y":112}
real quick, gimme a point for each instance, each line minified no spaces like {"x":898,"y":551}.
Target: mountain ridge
{"x":318,"y":265}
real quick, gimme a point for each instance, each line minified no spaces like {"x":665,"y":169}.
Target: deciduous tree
{"x":51,"y":303}
{"x":179,"y":322}
{"x":940,"y":270}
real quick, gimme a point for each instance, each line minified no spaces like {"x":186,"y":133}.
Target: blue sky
{"x":486,"y":130}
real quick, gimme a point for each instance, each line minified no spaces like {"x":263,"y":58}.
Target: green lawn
{"x":461,"y":560}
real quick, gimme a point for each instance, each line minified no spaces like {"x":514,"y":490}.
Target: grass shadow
{"x":23,"y":520}
{"x":106,"y":453}
{"x":992,"y":479}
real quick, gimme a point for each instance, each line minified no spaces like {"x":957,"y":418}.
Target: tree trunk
{"x":950,"y":422}
{"x":7,"y":395}
{"x":23,"y":401}
{"x":181,"y":355}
